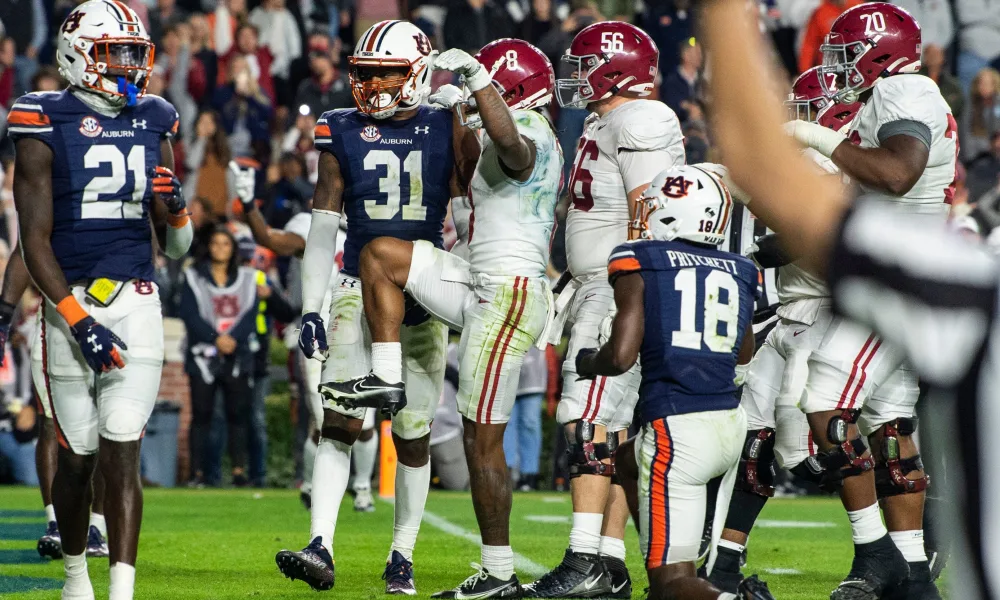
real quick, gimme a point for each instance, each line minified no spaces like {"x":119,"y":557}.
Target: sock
{"x":77,"y":578}
{"x":308,"y":460}
{"x":387,"y":361}
{"x":866,"y":525}
{"x":412,"y":484}
{"x":364,"y":456}
{"x":330,"y":474}
{"x":50,"y":513}
{"x":585,"y":536}
{"x":97,"y":520}
{"x":725,"y":596}
{"x":613,"y":547}
{"x":910,"y":544}
{"x":122,"y":581}
{"x":499,"y":561}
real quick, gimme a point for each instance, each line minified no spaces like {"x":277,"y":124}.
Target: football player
{"x":499,"y":298}
{"x":291,"y":241}
{"x":387,"y":165}
{"x":778,"y":433}
{"x":906,"y":154}
{"x":93,"y":164}
{"x":626,"y":141}
{"x":687,"y":307}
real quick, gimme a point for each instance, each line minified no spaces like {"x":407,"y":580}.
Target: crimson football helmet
{"x":866,"y":43}
{"x":605,"y":59}
{"x":808,"y":102}
{"x":520,"y":72}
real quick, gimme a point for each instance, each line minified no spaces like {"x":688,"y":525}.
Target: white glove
{"x":723,"y":173}
{"x":447,"y":96}
{"x":245,"y":182}
{"x":604,"y":329}
{"x":814,"y":136}
{"x":460,"y":62}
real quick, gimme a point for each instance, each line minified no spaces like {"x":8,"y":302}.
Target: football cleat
{"x":877,"y":567}
{"x":313,"y":565}
{"x":398,"y":576}
{"x":579,"y":575}
{"x":50,"y":544}
{"x":363,"y":501}
{"x":752,"y":588}
{"x":97,"y":546}
{"x":620,"y":581}
{"x":918,"y":586}
{"x":483,"y":585}
{"x":366,"y":392}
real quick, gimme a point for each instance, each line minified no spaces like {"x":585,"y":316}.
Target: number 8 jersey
{"x":396,"y":175}
{"x":100,"y":179}
{"x":698,"y":303}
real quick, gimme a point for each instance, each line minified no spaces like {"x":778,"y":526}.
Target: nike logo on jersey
{"x":796,"y":334}
{"x":589,"y":585}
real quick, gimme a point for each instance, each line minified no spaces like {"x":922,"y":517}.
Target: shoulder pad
{"x":654,"y":127}
{"x":904,"y":98}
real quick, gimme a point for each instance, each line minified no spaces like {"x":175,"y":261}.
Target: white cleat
{"x":363,"y":501}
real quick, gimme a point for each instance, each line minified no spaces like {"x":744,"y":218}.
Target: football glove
{"x":446,"y":96}
{"x":6,"y":318}
{"x":312,"y":337}
{"x":815,"y":136}
{"x":166,"y":184}
{"x":462,"y":63}
{"x":245,"y":184}
{"x":97,"y":343}
{"x":581,"y":371}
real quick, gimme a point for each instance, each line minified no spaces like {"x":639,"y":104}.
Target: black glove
{"x":581,"y":371}
{"x":166,"y":184}
{"x":97,"y":343}
{"x":768,"y":253}
{"x":6,"y":318}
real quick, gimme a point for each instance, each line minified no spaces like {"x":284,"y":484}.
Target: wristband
{"x":71,"y":310}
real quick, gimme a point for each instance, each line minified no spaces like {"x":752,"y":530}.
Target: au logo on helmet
{"x":676,"y":187}
{"x":371,"y":134}
{"x":90,"y":127}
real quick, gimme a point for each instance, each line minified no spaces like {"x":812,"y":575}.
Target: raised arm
{"x":282,"y":243}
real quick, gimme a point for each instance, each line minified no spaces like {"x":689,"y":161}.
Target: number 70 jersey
{"x":698,"y":303}
{"x":396,"y":175}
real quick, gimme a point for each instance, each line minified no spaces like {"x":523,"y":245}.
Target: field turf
{"x":220,"y":544}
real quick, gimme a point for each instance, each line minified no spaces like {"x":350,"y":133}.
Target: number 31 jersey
{"x":698,"y":304}
{"x":396,"y":175}
{"x":101,"y":187}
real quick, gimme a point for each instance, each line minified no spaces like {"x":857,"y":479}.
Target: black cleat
{"x":877,"y":567}
{"x":398,"y":576}
{"x":726,"y":573}
{"x":579,"y":575}
{"x":366,"y":392}
{"x":483,"y":585}
{"x":97,"y":546}
{"x":313,"y":565}
{"x":621,"y":582}
{"x":306,"y":499}
{"x":50,"y":544}
{"x":752,"y":588}
{"x":918,"y":586}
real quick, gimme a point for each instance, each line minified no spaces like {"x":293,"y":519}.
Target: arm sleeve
{"x":198,"y":330}
{"x":908,"y":127}
{"x":319,"y":259}
{"x":924,"y":289}
{"x":179,"y":240}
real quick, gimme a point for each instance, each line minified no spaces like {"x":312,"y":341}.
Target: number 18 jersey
{"x":101,"y":188}
{"x":698,"y":303}
{"x":396,"y":175}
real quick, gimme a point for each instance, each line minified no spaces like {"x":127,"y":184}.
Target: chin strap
{"x":128,"y":88}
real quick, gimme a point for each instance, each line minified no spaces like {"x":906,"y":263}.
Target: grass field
{"x":221,"y":544}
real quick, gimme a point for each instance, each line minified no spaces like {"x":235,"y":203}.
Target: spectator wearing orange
{"x":816,"y":29}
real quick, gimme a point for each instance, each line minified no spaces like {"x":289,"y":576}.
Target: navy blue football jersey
{"x":101,"y":186}
{"x":698,"y":304}
{"x":396,"y":175}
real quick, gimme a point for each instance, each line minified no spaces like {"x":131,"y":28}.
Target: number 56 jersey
{"x":100,"y":179}
{"x":396,"y":175}
{"x":698,"y":304}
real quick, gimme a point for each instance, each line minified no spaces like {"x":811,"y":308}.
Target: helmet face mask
{"x":575,"y":91}
{"x":812,"y":100}
{"x":378,"y":88}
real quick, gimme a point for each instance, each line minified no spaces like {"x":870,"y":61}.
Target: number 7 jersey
{"x":396,"y":175}
{"x":100,"y":179}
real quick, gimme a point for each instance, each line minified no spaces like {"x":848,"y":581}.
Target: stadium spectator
{"x":206,"y":160}
{"x":933,"y":65}
{"x":680,"y":88}
{"x":26,"y":24}
{"x":983,"y":173}
{"x":219,"y":309}
{"x":279,"y":33}
{"x":17,"y":440}
{"x":47,"y":79}
{"x":326,"y":87}
{"x":669,"y":24}
{"x":538,"y":20}
{"x":166,"y":15}
{"x":205,"y":62}
{"x":791,"y":18}
{"x":816,"y":29}
{"x":222,"y":23}
{"x":982,"y":118}
{"x":245,"y":111}
{"x":290,"y":194}
{"x":174,"y":57}
{"x":522,"y":441}
{"x":8,"y":75}
{"x":257,"y":58}
{"x":471,"y":24}
{"x":978,"y":37}
{"x":937,"y":28}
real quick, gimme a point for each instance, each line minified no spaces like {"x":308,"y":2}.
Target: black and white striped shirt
{"x":934,"y":295}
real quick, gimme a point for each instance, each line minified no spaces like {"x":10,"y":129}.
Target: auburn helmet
{"x":808,"y":102}
{"x":684,"y":202}
{"x":390,"y":69}
{"x":606,"y":59}
{"x":519,"y":71}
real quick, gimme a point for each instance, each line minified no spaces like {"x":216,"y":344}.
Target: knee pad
{"x":612,"y":438}
{"x":846,"y":459}
{"x":757,"y":464}
{"x":585,"y":456}
{"x":890,"y":475}
{"x":802,"y":471}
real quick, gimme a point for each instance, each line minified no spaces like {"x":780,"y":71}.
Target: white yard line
{"x":783,"y":571}
{"x":521,"y":563}
{"x":766,"y":523}
{"x":548,"y":518}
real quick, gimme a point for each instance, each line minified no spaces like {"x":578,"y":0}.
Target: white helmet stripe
{"x":385,"y":30}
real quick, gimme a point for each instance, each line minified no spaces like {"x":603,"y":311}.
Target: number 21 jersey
{"x":101,"y":188}
{"x":396,"y":175}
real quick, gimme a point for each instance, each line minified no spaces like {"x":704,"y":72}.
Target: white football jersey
{"x":510,"y":228}
{"x":794,"y":282}
{"x":914,"y":98}
{"x":606,"y":169}
{"x":299,"y":224}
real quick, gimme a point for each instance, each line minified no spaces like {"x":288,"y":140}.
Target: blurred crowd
{"x":249,"y":79}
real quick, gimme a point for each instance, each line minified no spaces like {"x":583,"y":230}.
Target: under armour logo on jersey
{"x":94,"y":346}
{"x":350,"y":283}
{"x":676,"y":187}
{"x":138,"y":124}
{"x":424,"y":129}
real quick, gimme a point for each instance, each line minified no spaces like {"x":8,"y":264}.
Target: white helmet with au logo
{"x":103,"y":49}
{"x":390,"y":69}
{"x":684,"y":203}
